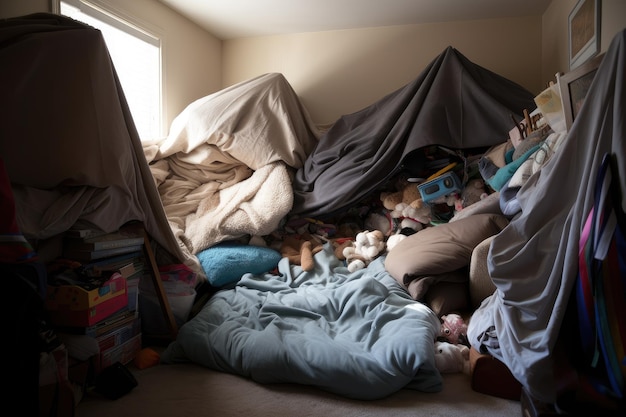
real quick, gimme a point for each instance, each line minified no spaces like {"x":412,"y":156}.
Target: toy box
{"x":75,"y":305}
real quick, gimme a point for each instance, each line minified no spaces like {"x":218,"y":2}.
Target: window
{"x":136,"y":55}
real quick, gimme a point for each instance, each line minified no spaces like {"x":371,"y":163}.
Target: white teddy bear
{"x":413,"y":216}
{"x":366,"y":247}
{"x":451,"y":358}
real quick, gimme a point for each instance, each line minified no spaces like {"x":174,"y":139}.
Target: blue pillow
{"x":226,"y":262}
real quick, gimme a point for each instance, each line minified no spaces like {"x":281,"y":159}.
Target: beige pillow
{"x":447,"y":297}
{"x":437,"y":253}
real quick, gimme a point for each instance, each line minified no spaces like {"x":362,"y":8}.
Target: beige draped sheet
{"x":225,"y":169}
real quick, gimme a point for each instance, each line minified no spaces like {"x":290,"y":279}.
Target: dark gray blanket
{"x":454,"y":103}
{"x":67,"y":137}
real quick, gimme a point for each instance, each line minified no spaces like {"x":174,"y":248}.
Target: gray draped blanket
{"x":453,"y":103}
{"x":534,"y":261}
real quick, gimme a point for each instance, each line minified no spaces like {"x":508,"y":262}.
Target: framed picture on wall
{"x":574,"y":85}
{"x":584,"y":32}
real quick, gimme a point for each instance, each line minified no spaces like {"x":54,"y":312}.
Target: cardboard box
{"x":73,"y":305}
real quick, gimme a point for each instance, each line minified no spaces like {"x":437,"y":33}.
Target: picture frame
{"x":583,"y":32}
{"x":573,"y":87}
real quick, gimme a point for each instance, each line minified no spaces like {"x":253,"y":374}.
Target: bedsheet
{"x":89,"y":168}
{"x":358,"y":334}
{"x":223,"y":171}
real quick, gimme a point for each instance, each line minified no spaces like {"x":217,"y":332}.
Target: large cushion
{"x":481,"y":286}
{"x":437,"y":253}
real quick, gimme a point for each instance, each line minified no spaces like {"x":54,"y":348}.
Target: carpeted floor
{"x":190,"y":390}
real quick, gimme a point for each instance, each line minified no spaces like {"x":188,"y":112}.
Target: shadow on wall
{"x":340,"y":72}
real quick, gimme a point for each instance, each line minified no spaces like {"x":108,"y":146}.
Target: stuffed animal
{"x":299,"y":249}
{"x":379,"y":221}
{"x":473,"y":192}
{"x":453,"y":329}
{"x":414,"y":215}
{"x":398,"y":237}
{"x":451,"y":358}
{"x":339,"y":244}
{"x":406,"y":206}
{"x":365,"y":248}
{"x":406,"y":192}
{"x":393,"y":240}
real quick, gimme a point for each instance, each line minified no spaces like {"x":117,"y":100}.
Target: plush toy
{"x":398,"y":237}
{"x":365,"y":248}
{"x":453,"y":329}
{"x":473,"y":192}
{"x":393,"y":240}
{"x":407,"y":192}
{"x":299,"y":249}
{"x":414,"y":215}
{"x":339,"y":244}
{"x":406,"y":206}
{"x":379,"y":221}
{"x":451,"y":358}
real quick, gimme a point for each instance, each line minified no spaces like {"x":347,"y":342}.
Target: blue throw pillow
{"x":226,"y":262}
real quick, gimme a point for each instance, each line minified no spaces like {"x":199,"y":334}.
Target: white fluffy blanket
{"x":224,"y":171}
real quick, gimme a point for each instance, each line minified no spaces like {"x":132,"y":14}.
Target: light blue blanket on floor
{"x":359,"y":335}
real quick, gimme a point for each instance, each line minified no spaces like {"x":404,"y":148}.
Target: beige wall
{"x":554,"y":45}
{"x":11,"y":8}
{"x":340,"y":72}
{"x":191,"y":57}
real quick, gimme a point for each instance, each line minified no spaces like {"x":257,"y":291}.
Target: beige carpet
{"x":190,"y":390}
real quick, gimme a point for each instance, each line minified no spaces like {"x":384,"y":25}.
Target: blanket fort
{"x":453,"y":103}
{"x":358,"y":334}
{"x":533,"y":262}
{"x":223,"y":172}
{"x":89,"y":167}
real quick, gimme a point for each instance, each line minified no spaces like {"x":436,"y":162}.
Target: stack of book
{"x":87,"y":245}
{"x":111,"y":266}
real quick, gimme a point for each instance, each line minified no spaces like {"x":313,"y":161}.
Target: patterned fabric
{"x":601,"y":287}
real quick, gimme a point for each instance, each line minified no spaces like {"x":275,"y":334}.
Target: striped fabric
{"x":601,"y":287}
